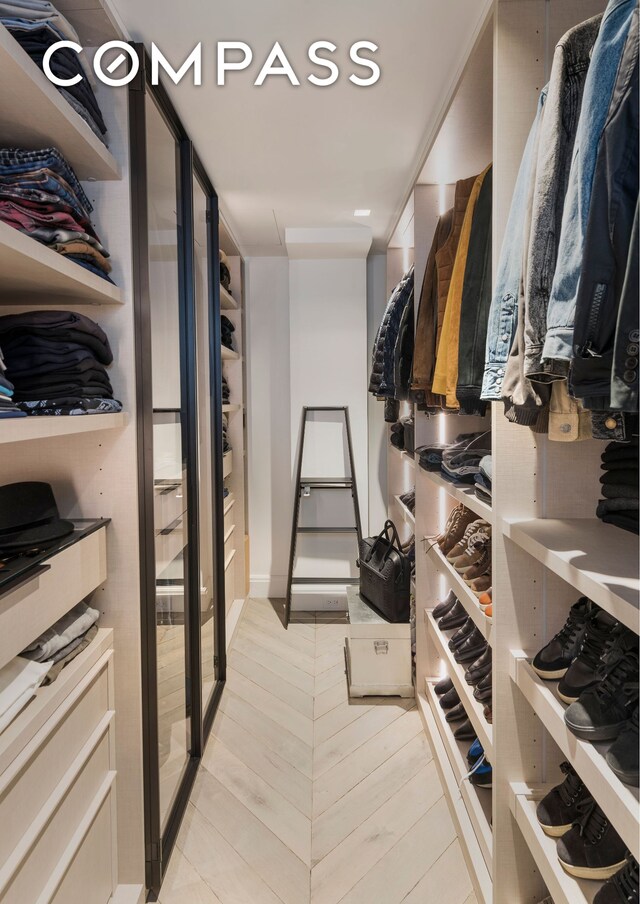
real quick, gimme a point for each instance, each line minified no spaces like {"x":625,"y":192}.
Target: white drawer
{"x":42,"y":857}
{"x":38,"y":603}
{"x":90,"y":876}
{"x":170,"y":541}
{"x":169,"y":504}
{"x":31,"y":780}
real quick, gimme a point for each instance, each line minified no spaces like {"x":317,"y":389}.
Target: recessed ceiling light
{"x":361,"y":213}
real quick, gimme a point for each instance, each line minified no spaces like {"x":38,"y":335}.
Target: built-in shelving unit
{"x":16,"y":430}
{"x":460,"y":492}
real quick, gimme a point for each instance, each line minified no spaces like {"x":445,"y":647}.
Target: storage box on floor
{"x":378,"y":652}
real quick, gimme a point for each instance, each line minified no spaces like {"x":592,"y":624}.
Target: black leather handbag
{"x":385,"y":574}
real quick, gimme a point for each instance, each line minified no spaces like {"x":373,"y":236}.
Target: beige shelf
{"x":229,"y":559}
{"x":229,"y":503}
{"x":229,"y":355}
{"x":16,"y":430}
{"x":227,"y":464}
{"x":620,"y":802}
{"x":464,"y":494}
{"x":599,"y":560}
{"x":408,"y":516}
{"x":33,"y":114}
{"x":476,"y":800}
{"x":564,"y":889}
{"x":473,"y":856}
{"x":403,"y":456}
{"x":464,"y":594}
{"x":456,"y":671}
{"x":33,"y":273}
{"x":227,"y":301}
{"x":230,"y":409}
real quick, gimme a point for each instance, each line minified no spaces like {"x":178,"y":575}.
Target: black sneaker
{"x":554,"y":659}
{"x":482,"y":776}
{"x":471,"y":647}
{"x":557,"y":811}
{"x":591,"y":849}
{"x":483,"y":690}
{"x":622,"y":756}
{"x":602,"y":712}
{"x":583,"y":671}
{"x":445,"y":606}
{"x":479,"y":668}
{"x":623,"y":887}
{"x":449,"y":699}
{"x":443,"y":686}
{"x":455,"y":617}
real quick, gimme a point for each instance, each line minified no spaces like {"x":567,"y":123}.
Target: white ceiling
{"x":282,"y":156}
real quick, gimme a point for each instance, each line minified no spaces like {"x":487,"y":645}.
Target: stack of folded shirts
{"x":19,"y":681}
{"x":41,"y":196}
{"x":37,"y":25}
{"x":461,"y":462}
{"x":226,"y":392}
{"x":65,"y":640}
{"x":226,"y":446}
{"x":227,"y":329}
{"x":8,"y":407}
{"x":55,"y":361}
{"x":430,"y":457}
{"x":620,"y":486}
{"x":225,"y":273}
{"x":483,"y":479}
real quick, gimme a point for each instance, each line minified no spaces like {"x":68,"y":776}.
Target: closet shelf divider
{"x":620,"y":802}
{"x":33,"y":113}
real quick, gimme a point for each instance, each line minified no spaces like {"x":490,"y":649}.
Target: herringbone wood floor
{"x":307,"y":796}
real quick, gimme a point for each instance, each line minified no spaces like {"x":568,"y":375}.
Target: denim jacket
{"x":503,"y":314}
{"x":598,"y":89}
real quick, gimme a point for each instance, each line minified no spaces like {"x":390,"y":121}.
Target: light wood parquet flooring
{"x":307,"y":797}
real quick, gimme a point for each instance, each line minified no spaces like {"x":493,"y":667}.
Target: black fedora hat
{"x":29,"y":516}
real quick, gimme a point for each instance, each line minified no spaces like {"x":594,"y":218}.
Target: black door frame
{"x":158,"y":846}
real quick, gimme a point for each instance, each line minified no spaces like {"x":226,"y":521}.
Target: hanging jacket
{"x":428,"y":324}
{"x":382,"y":382}
{"x":403,"y":352}
{"x":446,"y":374}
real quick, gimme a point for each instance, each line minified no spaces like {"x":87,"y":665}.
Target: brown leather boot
{"x":459,"y":520}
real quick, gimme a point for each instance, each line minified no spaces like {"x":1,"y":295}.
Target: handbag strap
{"x":390,"y":534}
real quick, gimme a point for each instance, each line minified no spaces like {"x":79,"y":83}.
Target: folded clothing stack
{"x":225,"y":273}
{"x":620,"y":505}
{"x":19,"y":681}
{"x":227,"y":330}
{"x":37,"y":25}
{"x":461,"y":461}
{"x":65,"y":640}
{"x":226,"y":392}
{"x":55,"y":361}
{"x":226,"y":445}
{"x":8,"y":407}
{"x":41,"y":196}
{"x":483,"y":479}
{"x":402,"y":433}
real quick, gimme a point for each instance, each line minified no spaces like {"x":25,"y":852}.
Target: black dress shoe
{"x":478,"y":668}
{"x":455,"y":617}
{"x":449,"y":699}
{"x":472,"y":647}
{"x":465,"y":732}
{"x":461,"y":634}
{"x":446,"y":605}
{"x":457,"y":714}
{"x":444,"y":685}
{"x":483,"y":689}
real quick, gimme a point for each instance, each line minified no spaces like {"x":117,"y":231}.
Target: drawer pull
{"x":381,"y":646}
{"x":21,"y":579}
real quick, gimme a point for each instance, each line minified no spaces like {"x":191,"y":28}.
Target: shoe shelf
{"x":230,"y":409}
{"x":620,"y":802}
{"x":563,"y":888}
{"x":33,"y":273}
{"x":455,"y":670}
{"x":34,"y":114}
{"x":229,"y":355}
{"x":227,"y":301}
{"x":480,"y":874}
{"x":229,"y":559}
{"x":19,"y":429}
{"x":407,"y":515}
{"x":227,"y":464}
{"x":599,"y":560}
{"x":229,"y":503}
{"x":477,"y":801}
{"x":460,"y":492}
{"x":461,"y":590}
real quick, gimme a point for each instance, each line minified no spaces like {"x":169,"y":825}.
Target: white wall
{"x":307,"y":344}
